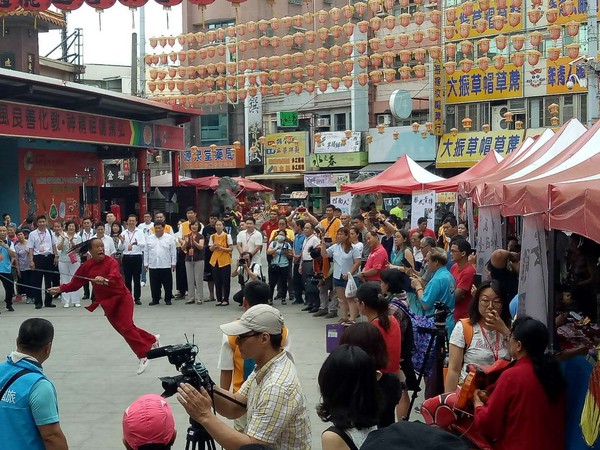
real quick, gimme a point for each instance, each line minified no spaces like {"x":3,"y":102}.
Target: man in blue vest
{"x":28,"y":405}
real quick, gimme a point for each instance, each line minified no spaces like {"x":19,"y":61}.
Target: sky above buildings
{"x":112,"y":43}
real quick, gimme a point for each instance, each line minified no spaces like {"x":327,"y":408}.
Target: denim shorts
{"x":339,"y":283}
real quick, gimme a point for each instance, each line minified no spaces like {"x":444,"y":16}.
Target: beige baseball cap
{"x":259,"y":318}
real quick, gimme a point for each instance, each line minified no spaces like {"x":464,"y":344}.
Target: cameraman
{"x":246,"y":271}
{"x":275,"y":402}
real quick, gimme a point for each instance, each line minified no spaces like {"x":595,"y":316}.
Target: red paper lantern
{"x":100,"y":5}
{"x":69,"y":5}
{"x":8,"y":6}
{"x":36,"y":5}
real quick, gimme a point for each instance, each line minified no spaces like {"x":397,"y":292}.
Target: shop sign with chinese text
{"x":337,"y":142}
{"x":354,"y":159}
{"x":319,"y":180}
{"x":23,"y":120}
{"x":220,"y":157}
{"x":466,"y":149}
{"x":551,"y":77}
{"x":285,"y":152}
{"x":438,"y":98}
{"x":477,"y":85}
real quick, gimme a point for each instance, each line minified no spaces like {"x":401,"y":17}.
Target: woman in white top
{"x":68,"y":263}
{"x":355,"y":238}
{"x":351,"y":399}
{"x":486,"y":329}
{"x":346,"y":259}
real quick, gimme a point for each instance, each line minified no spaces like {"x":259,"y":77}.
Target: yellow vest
{"x":220,"y":258}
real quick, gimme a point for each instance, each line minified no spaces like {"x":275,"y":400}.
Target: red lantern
{"x":69,"y":5}
{"x":37,"y":5}
{"x":8,"y":6}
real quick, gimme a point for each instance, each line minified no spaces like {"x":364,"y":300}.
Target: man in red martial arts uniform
{"x":116,"y":300}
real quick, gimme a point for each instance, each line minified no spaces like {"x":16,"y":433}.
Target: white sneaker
{"x":142,"y":283}
{"x":157,"y":342}
{"x":77,"y":305}
{"x":66,"y":305}
{"x":142,"y":366}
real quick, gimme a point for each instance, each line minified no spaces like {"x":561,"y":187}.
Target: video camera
{"x":183,"y":357}
{"x":441,"y":311}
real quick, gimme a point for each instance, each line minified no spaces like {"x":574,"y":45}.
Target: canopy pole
{"x":552,"y":272}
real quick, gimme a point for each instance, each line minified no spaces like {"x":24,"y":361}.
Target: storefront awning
{"x":49,"y":92}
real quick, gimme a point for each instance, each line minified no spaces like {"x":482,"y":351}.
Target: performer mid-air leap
{"x":110,"y":293}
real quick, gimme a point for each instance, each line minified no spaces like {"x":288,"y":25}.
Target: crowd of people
{"x":378,"y":277}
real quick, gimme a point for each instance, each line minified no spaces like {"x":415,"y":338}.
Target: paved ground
{"x":94,"y":370}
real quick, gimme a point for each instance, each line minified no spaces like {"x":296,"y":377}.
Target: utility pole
{"x":142,"y":50}
{"x":134,"y":64}
{"x":593,"y":66}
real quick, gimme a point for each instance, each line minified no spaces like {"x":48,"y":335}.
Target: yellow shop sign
{"x":466,"y":149}
{"x":477,"y":85}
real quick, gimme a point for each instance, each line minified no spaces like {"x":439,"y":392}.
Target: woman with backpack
{"x":482,"y":338}
{"x":375,"y":308}
{"x":392,"y":289}
{"x":221,"y":246}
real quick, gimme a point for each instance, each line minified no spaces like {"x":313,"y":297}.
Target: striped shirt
{"x":277,"y":406}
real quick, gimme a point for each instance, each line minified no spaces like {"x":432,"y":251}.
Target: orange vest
{"x":220,"y":258}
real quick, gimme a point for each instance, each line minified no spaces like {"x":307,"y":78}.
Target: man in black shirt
{"x":207,"y":231}
{"x":504,"y":267}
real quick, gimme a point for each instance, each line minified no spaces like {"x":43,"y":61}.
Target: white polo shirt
{"x":249,"y":242}
{"x":312,"y":241}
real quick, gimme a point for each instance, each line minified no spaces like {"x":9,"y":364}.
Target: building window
{"x":214,"y":129}
{"x":340,"y":122}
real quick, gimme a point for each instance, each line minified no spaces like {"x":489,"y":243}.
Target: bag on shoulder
{"x":421,"y":339}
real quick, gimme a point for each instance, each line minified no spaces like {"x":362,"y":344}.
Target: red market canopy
{"x":212,"y":182}
{"x":542,"y":156}
{"x":403,"y":177}
{"x":478,"y":188}
{"x":487,"y":165}
{"x":529,"y":195}
{"x":575,"y":206}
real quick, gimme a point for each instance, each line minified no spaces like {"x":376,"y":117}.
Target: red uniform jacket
{"x":519,"y":415}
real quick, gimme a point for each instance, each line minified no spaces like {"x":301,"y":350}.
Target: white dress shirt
{"x":161,"y":252}
{"x":109,"y":245}
{"x":41,"y":242}
{"x":134,"y":242}
{"x":312,"y":241}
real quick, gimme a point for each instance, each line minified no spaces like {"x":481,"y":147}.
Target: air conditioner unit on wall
{"x":384,"y":119}
{"x":497,"y":120}
{"x":323,"y":122}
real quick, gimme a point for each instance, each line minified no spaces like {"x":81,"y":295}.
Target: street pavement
{"x":94,"y":370}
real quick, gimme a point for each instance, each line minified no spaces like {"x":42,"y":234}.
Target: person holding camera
{"x":274,"y":399}
{"x":441,"y":287}
{"x":280,"y":251}
{"x":310,"y":250}
{"x":246,"y":271}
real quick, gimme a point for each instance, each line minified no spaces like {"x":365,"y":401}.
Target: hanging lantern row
{"x":299,"y":37}
{"x":517,"y":58}
{"x":214,"y":85}
{"x":322,"y":53}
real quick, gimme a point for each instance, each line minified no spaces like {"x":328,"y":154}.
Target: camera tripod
{"x":197,"y":438}
{"x":437,"y":344}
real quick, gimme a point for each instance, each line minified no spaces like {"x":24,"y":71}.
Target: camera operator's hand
{"x":197,"y":404}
